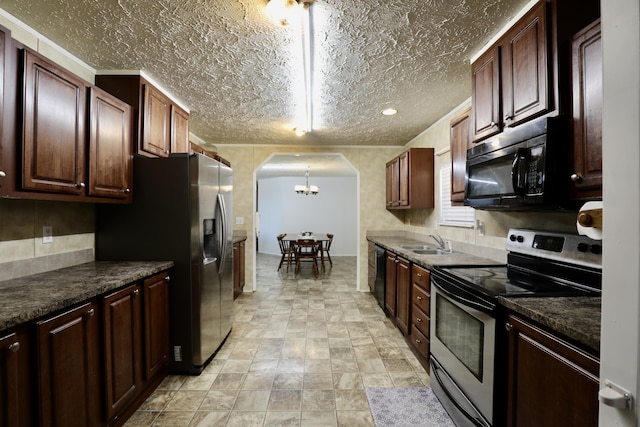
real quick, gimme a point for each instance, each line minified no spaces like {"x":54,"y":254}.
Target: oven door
{"x":463,"y":345}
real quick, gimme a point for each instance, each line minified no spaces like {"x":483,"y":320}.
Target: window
{"x":456,"y":216}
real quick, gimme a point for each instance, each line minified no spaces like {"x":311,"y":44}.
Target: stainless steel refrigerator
{"x":181,"y":211}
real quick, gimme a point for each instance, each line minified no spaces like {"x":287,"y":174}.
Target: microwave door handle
{"x":519,"y":172}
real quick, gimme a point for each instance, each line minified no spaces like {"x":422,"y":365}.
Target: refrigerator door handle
{"x":207,"y":261}
{"x":223,"y":235}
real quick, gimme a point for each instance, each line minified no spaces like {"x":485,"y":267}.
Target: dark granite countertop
{"x":239,"y":236}
{"x":27,"y":298}
{"x":576,"y":318}
{"x":395,"y":243}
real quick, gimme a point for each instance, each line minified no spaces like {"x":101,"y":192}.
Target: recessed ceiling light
{"x":389,"y":111}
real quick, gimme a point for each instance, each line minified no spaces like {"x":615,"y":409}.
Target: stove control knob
{"x":596,"y":249}
{"x":583,"y":247}
{"x":520,"y":239}
{"x":512,"y":237}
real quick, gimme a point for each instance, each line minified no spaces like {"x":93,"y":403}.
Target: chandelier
{"x":306,"y":189}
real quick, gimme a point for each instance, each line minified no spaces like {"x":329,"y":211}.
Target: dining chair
{"x":327,"y":248}
{"x":287,"y":251}
{"x":307,"y":250}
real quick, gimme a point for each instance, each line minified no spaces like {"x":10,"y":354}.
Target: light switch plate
{"x":239,"y":220}
{"x":47,"y":234}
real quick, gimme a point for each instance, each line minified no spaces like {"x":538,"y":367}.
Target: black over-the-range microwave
{"x":521,"y":168}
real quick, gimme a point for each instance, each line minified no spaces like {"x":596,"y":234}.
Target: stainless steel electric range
{"x":464,"y":302}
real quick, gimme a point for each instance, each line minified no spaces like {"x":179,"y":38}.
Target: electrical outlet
{"x":239,"y":220}
{"x":47,"y":234}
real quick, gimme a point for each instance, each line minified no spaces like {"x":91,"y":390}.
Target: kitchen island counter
{"x":27,"y":298}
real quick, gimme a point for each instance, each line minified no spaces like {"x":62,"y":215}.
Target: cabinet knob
{"x":419,"y":298}
{"x":508,"y":117}
{"x":166,"y":151}
{"x":492,"y":124}
{"x":576,"y":178}
{"x":91,"y":312}
{"x":80,"y":185}
{"x":419,"y":274}
{"x":167,"y":278}
{"x":127,"y":190}
{"x":418,"y":341}
{"x":2,"y":174}
{"x":14,"y":347}
{"x":418,"y":319}
{"x":136,"y":292}
{"x":508,"y":326}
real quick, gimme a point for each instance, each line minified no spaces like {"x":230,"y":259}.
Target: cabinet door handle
{"x":127,"y":190}
{"x":419,"y":298}
{"x":576,"y":178}
{"x":508,"y":326}
{"x":419,"y":274}
{"x":508,"y":117}
{"x":136,"y":292}
{"x":14,"y":347}
{"x":492,"y":124}
{"x":80,"y":185}
{"x":2,"y":174}
{"x":167,"y":278}
{"x":91,"y":312}
{"x":418,"y":319}
{"x":418,"y":341}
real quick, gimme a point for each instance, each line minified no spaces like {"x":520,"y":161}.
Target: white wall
{"x":332,"y":210}
{"x":620,"y":340}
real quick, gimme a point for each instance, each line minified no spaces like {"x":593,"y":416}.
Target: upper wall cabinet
{"x":410,"y":180}
{"x":586,"y":176}
{"x":110,"y":146}
{"x":460,"y":142}
{"x":510,"y":81}
{"x":526,"y":73}
{"x":53,"y":149}
{"x":5,"y":38}
{"x":162,"y":126}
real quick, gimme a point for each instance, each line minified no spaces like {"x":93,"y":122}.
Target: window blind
{"x":456,"y":216}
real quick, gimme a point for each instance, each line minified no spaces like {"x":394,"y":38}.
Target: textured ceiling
{"x":239,"y":75}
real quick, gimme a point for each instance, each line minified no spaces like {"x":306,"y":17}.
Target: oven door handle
{"x":484,"y":306}
{"x":475,"y":420}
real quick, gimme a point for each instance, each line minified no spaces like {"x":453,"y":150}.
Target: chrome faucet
{"x":439,"y":240}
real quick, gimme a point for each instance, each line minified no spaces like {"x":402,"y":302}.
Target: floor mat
{"x":408,"y":406}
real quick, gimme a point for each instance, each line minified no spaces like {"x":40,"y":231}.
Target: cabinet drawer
{"x":420,"y":298}
{"x":420,"y":342}
{"x":420,"y":320}
{"x":420,"y":276}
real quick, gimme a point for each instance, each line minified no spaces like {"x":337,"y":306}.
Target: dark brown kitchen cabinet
{"x":403,"y":295}
{"x":5,"y":41}
{"x":460,"y":142}
{"x":156,"y":324}
{"x":371,"y":270}
{"x":110,"y":146}
{"x":524,"y":55}
{"x":122,"y":347}
{"x":586,"y":176}
{"x":390,"y":285}
{"x":238,"y":268}
{"x":53,"y":140}
{"x":397,"y":289}
{"x":486,"y":116}
{"x":550,"y":381}
{"x":420,"y":313}
{"x":68,"y":361}
{"x":410,"y":180}
{"x":161,"y":126}
{"x":179,"y":130}
{"x":16,"y":399}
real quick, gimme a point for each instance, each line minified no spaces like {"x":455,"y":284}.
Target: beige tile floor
{"x":301,"y":352}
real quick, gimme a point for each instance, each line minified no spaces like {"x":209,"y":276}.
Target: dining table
{"x":318,"y":237}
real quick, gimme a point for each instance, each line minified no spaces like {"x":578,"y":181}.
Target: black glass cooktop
{"x":498,"y":280}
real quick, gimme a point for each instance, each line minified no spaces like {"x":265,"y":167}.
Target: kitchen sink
{"x":430,"y":251}
{"x":421,"y":247}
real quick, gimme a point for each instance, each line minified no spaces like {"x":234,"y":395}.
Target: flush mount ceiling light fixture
{"x":284,"y":13}
{"x":389,"y":111}
{"x":306,"y":189}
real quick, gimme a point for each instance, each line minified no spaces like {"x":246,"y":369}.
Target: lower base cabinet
{"x":420,"y":310}
{"x":550,"y":381}
{"x":68,"y":362}
{"x":90,"y":365}
{"x":238,"y":268}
